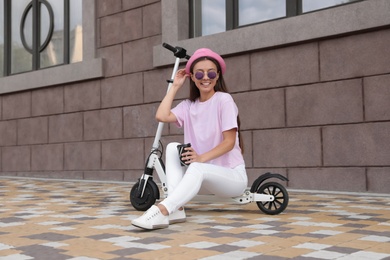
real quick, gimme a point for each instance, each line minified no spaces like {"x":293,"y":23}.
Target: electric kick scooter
{"x":271,"y":197}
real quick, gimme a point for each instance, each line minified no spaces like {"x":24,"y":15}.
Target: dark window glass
{"x":21,"y":38}
{"x":255,"y":11}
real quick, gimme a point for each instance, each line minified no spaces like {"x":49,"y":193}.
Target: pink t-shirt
{"x":204,"y":123}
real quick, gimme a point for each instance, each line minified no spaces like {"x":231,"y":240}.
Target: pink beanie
{"x":204,"y":52}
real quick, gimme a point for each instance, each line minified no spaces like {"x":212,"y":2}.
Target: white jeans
{"x":184,"y":183}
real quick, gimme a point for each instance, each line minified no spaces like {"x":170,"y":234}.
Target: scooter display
{"x":271,"y":197}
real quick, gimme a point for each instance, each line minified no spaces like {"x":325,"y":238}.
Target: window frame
{"x":293,"y":8}
{"x":91,"y":67}
{"x":324,"y":23}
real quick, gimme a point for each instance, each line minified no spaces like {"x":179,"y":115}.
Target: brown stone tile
{"x":269,"y":113}
{"x":376,"y":98}
{"x":103,"y":124}
{"x":122,"y":91}
{"x":325,"y":103}
{"x":365,"y":144}
{"x":66,"y":128}
{"x":47,"y":101}
{"x":289,"y":66}
{"x":11,"y":105}
{"x":81,"y":97}
{"x":294,"y":147}
{"x":365,"y":53}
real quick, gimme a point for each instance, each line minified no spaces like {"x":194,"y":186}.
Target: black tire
{"x":147,"y":200}
{"x":281,"y":198}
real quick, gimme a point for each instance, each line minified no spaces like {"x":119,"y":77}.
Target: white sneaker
{"x":177,"y":217}
{"x":151,"y":219}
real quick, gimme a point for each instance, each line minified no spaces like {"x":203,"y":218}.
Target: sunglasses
{"x":211,"y":75}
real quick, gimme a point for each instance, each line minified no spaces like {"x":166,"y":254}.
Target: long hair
{"x":219,"y":86}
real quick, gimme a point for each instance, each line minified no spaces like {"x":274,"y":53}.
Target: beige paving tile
{"x":290,"y":252}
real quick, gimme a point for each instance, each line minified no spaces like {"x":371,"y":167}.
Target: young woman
{"x":210,"y":121}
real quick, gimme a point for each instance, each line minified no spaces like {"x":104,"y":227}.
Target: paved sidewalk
{"x":57,"y":219}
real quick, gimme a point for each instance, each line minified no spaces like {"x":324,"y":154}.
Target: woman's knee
{"x":172,"y":148}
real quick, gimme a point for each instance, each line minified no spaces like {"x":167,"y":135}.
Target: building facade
{"x":313,"y":92}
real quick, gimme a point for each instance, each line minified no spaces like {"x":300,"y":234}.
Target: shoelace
{"x":155,"y":214}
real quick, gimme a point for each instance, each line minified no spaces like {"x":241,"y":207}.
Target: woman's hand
{"x":191,"y":156}
{"x":229,"y":139}
{"x":180,"y":78}
{"x":164,"y":113}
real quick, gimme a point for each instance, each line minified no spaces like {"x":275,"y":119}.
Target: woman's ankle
{"x":163,"y":209}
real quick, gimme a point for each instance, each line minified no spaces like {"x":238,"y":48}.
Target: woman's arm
{"x":227,"y":144}
{"x":164,"y":113}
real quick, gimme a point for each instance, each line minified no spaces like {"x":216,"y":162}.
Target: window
{"x":39,"y":34}
{"x":210,"y":17}
{"x":72,"y":56}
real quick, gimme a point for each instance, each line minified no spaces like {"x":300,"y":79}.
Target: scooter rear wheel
{"x":280,"y":201}
{"x":146,"y":201}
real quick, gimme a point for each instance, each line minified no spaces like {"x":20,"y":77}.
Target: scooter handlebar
{"x":177,"y":51}
{"x":169,"y":47}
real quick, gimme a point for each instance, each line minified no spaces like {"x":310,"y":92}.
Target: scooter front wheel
{"x":280,"y":201}
{"x":146,"y":201}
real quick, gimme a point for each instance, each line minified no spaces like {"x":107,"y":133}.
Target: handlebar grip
{"x":169,"y":47}
{"x":178,"y":52}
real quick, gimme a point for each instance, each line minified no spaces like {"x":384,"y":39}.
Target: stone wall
{"x":317,"y":111}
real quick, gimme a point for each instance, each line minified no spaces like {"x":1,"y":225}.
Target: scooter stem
{"x":160,"y":127}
